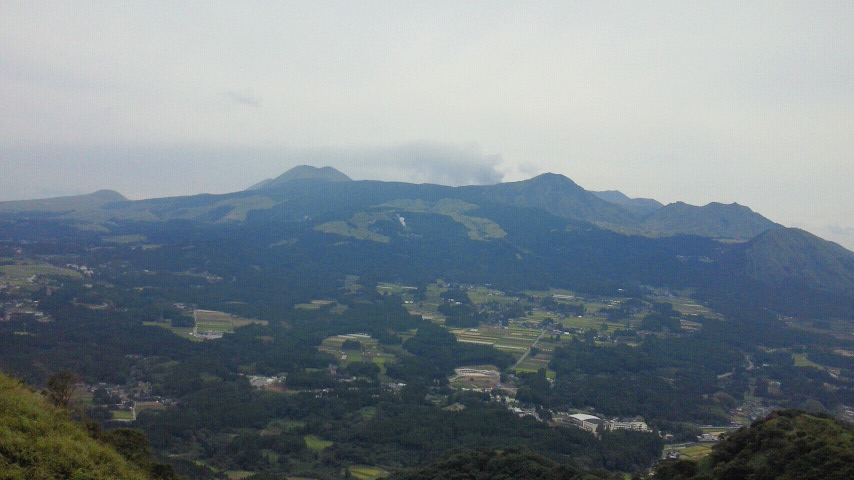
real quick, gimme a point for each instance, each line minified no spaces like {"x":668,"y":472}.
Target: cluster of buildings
{"x":596,"y":425}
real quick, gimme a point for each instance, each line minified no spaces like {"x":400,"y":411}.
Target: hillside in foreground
{"x":788,"y":444}
{"x":38,"y":441}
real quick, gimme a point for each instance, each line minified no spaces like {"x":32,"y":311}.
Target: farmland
{"x":369,"y":351}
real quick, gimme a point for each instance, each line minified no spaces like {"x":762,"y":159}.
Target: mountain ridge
{"x":307,"y":190}
{"x":716,"y":220}
{"x":303,"y":172}
{"x":642,"y":206}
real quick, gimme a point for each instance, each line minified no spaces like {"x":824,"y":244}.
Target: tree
{"x":60,"y":388}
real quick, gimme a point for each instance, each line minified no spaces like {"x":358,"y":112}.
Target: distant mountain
{"x":559,"y":196}
{"x":787,"y":270}
{"x":556,"y":231}
{"x":64,"y":204}
{"x":714,"y":220}
{"x":785,"y":445}
{"x":641,"y":206}
{"x":302,"y":172}
{"x":289,"y":193}
{"x":791,"y":255}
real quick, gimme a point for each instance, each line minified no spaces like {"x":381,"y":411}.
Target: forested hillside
{"x":787,"y":445}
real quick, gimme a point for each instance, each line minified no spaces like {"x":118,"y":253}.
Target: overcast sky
{"x":748,"y":102}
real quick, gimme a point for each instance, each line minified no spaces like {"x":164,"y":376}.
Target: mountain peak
{"x":303,"y":172}
{"x":715,"y":219}
{"x":552,"y":179}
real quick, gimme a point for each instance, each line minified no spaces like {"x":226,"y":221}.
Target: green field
{"x":121,"y":414}
{"x":124,"y":239}
{"x":313,"y":442}
{"x":364,"y":472}
{"x":695,"y":451}
{"x":18,"y":272}
{"x":371,"y":350}
{"x":214,"y":321}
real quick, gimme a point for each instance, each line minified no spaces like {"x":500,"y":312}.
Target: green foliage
{"x":506,"y":464}
{"x":60,"y":388}
{"x":37,"y":441}
{"x":786,"y":445}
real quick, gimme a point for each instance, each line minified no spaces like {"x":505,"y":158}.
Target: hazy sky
{"x":748,"y":102}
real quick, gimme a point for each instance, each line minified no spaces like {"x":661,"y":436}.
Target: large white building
{"x":587,"y":422}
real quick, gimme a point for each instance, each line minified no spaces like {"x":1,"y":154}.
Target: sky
{"x":728,"y":101}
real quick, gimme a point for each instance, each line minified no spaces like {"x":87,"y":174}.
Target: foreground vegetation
{"x":37,"y":440}
{"x":786,"y":445}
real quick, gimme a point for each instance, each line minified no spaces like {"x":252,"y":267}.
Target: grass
{"x":121,"y":414}
{"x":359,"y":232}
{"x":801,"y":360}
{"x":367,"y":413}
{"x":18,"y":272}
{"x":315,"y":443}
{"x":696,"y":451}
{"x":237,"y":474}
{"x":124,"y":239}
{"x":40,"y":441}
{"x":215,"y":321}
{"x":364,"y":472}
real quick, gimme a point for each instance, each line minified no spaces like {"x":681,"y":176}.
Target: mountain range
{"x":556,"y":194}
{"x":728,"y":251}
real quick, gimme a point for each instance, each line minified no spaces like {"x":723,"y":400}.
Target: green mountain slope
{"x":795,"y":256}
{"x":558,"y":196}
{"x":714,"y":220}
{"x":39,"y":442}
{"x":785,"y":445}
{"x":86,"y":202}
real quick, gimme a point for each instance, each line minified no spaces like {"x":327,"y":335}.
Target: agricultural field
{"x":370,"y":352}
{"x":279,"y":425}
{"x":691,"y":451}
{"x":480,"y":295}
{"x":20,"y":273}
{"x":480,"y":378}
{"x":686,"y":305}
{"x":514,"y":340}
{"x":333,"y":306}
{"x":214,"y":321}
{"x":428,"y":307}
{"x":313,"y":442}
{"x":123,"y":415}
{"x":125,"y":239}
{"x":210,"y":324}
{"x":364,"y":472}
